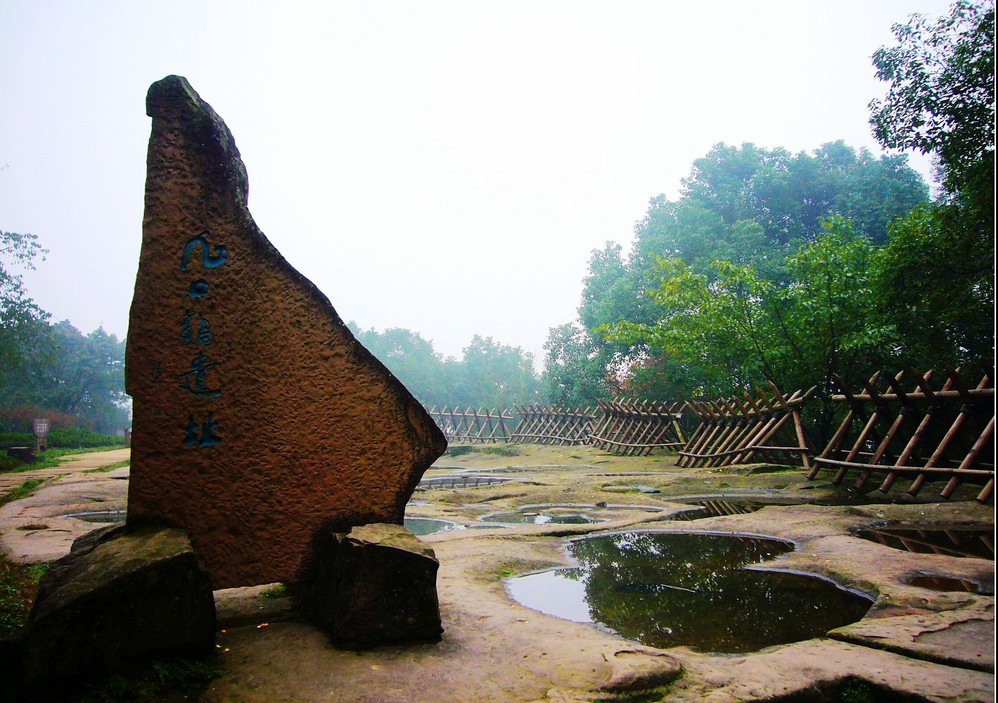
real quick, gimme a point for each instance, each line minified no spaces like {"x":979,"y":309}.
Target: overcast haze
{"x":446,"y":167}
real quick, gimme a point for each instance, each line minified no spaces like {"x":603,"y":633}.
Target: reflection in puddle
{"x":952,"y":540}
{"x":939,"y":582}
{"x":101,"y":516}
{"x":543,"y":515}
{"x":429,"y":526}
{"x":668,"y":590}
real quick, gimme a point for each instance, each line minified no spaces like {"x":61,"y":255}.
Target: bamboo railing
{"x":910,"y":428}
{"x":631,"y":428}
{"x":472,"y":426}
{"x":736,"y":431}
{"x":552,"y":424}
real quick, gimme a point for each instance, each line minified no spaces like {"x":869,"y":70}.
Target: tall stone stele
{"x":259,"y":421}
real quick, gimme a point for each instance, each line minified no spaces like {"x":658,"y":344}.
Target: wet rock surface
{"x":914,"y":644}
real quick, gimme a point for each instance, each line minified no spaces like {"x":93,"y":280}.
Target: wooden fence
{"x":736,"y":431}
{"x":914,"y":426}
{"x":553,"y":424}
{"x":631,"y":428}
{"x":472,"y":426}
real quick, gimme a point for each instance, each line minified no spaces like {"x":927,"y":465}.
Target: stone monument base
{"x":375,"y":585}
{"x":119,"y":600}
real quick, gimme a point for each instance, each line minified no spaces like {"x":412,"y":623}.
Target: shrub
{"x":16,"y":439}
{"x":79,"y":439}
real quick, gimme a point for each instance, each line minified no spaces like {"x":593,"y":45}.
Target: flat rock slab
{"x":259,"y":420}
{"x":37,"y":528}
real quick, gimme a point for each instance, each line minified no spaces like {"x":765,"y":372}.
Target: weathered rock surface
{"x":259,"y":421}
{"x":117,"y":600}
{"x":376,"y":585}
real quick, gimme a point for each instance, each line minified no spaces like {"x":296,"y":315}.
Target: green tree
{"x":85,"y":378}
{"x":490,"y":375}
{"x":413,"y":361}
{"x":23,"y":325}
{"x":740,"y":329}
{"x":941,"y":95}
{"x":497,"y":376}
{"x":934,"y":285}
{"x":574,"y":373}
{"x":936,"y":276}
{"x":747,"y":206}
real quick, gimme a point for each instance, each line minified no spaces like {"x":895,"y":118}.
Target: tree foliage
{"x":75,"y":375}
{"x":936,"y":278}
{"x":941,"y":95}
{"x":490,"y":374}
{"x":714,"y":293}
{"x":740,"y":329}
{"x":22,"y":323}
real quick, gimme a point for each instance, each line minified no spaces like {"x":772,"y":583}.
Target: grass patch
{"x":18,"y":587}
{"x":21,"y":491}
{"x":110,"y":467}
{"x":173,"y":680}
{"x":278,"y":591}
{"x":500,"y":450}
{"x":497,"y":449}
{"x":53,"y":457}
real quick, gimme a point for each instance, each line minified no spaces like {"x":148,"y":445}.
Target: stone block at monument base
{"x":373,"y":586}
{"x":117,"y":601}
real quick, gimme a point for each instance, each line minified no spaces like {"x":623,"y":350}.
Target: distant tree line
{"x":489,"y":374}
{"x":74,"y":380}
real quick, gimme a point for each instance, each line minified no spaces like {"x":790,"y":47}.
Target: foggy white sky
{"x":446,"y":167}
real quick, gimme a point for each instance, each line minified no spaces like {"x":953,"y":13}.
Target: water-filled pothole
{"x":944,"y":582}
{"x":685,"y":589}
{"x":462,"y":481}
{"x":563,"y":513}
{"x":952,"y":540}
{"x":717,"y":508}
{"x":429,"y":526}
{"x":543,"y":516}
{"x":101,"y":516}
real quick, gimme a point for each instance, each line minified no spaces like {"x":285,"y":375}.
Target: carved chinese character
{"x":195,"y":380}
{"x":207,"y":437}
{"x":208,"y":260}
{"x":203,"y":335}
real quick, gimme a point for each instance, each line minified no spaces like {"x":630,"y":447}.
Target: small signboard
{"x":41,"y":430}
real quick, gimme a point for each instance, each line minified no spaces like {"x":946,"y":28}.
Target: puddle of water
{"x":939,"y":582}
{"x":543,"y":515}
{"x":681,"y":589}
{"x":952,"y":540}
{"x":458,"y":482}
{"x":429,"y":526}
{"x":100,"y":516}
{"x":541,"y":518}
{"x":716,"y":508}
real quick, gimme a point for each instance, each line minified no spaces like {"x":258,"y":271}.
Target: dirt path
{"x":934,"y":645}
{"x":71,"y":463}
{"x":36,"y":528}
